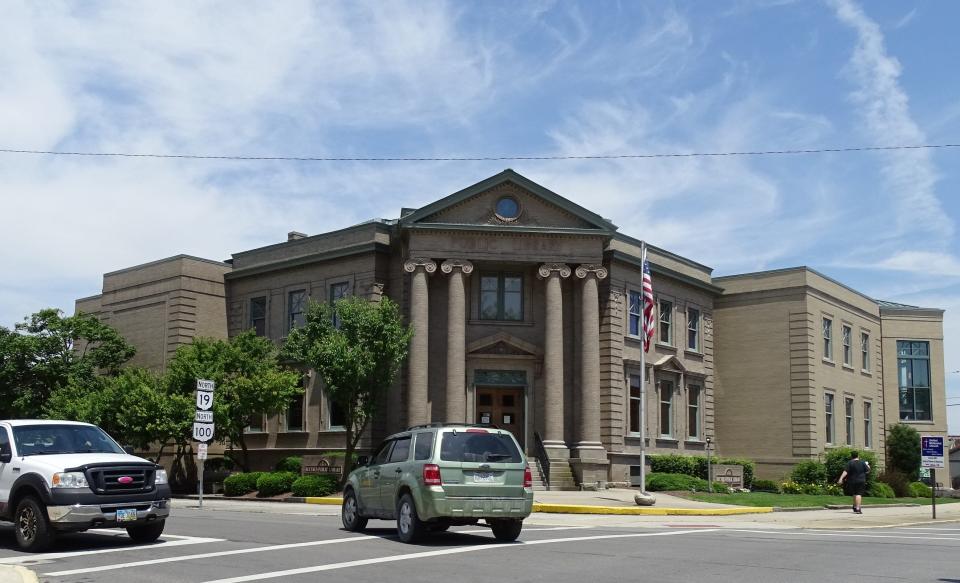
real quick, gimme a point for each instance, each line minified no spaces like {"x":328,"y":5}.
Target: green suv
{"x":431,"y":477}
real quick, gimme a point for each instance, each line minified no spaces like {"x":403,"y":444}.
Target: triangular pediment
{"x":503,"y":344}
{"x":670,"y":363}
{"x":538,"y":208}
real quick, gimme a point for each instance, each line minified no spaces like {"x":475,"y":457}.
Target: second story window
{"x":828,"y":338}
{"x":296,"y":308}
{"x":693,"y":329}
{"x":636,"y":313}
{"x":864,"y":351}
{"x":665,"y":312}
{"x":845,"y":336}
{"x":501,"y":296}
{"x":338,"y":291}
{"x":258,"y":315}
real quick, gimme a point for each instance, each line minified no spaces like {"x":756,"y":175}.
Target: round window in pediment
{"x":508,"y":208}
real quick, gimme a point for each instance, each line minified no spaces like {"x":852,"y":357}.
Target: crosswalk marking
{"x":857,"y":534}
{"x":182,"y":541}
{"x":451,"y":551}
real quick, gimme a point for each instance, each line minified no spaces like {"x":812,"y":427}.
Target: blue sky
{"x":484,"y":79}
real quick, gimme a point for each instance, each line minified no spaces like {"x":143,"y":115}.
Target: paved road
{"x":293,"y":545}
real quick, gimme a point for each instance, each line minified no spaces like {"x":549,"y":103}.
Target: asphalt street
{"x":295,"y":544}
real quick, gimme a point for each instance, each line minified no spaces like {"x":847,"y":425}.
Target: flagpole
{"x":643,"y":390}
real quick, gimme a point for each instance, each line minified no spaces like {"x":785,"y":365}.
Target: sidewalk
{"x":12,"y":574}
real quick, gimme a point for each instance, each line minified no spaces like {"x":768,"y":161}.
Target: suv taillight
{"x":431,"y":475}
{"x":527,"y":478}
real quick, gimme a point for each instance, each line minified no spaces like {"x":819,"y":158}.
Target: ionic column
{"x":458,"y":269}
{"x":419,"y":345}
{"x":589,"y":427}
{"x":553,"y":437}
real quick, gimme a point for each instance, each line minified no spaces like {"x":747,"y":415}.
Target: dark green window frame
{"x":501,"y":293}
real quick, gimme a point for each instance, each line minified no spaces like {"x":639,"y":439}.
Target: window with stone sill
{"x":864,"y":351}
{"x":828,"y":338}
{"x":296,"y":308}
{"x":848,"y":417}
{"x":258,"y":315}
{"x":294,"y":414}
{"x":845,"y":336}
{"x":338,"y":291}
{"x":636,"y":404}
{"x":665,"y":316}
{"x":913,"y":376}
{"x":693,"y":412}
{"x":501,"y":296}
{"x":693,"y":329}
{"x":666,"y":409}
{"x":828,"y":410}
{"x":636,"y":313}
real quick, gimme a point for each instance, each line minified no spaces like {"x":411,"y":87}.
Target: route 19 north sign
{"x":203,"y":428}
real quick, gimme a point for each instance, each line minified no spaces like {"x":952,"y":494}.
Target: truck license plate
{"x":126,"y":515}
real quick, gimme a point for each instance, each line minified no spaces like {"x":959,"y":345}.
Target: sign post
{"x":203,"y":428}
{"x":931,"y":456}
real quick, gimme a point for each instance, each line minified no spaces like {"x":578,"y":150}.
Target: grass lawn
{"x":798,"y":500}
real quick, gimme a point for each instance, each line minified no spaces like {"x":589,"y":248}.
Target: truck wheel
{"x":146,"y":533}
{"x":31,"y":526}
{"x":350,"y":513}
{"x":409,"y":526}
{"x":506,"y":530}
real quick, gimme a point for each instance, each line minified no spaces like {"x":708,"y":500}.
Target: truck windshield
{"x":57,"y":439}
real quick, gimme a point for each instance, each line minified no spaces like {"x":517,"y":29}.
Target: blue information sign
{"x":931,"y":451}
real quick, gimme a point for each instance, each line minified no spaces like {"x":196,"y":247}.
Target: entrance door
{"x":502,"y":407}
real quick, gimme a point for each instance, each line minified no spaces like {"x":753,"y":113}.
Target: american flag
{"x":649,"y":325}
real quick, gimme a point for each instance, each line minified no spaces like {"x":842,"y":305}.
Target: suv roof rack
{"x":445,"y":424}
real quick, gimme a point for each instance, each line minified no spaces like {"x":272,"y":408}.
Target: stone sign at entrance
{"x":318,"y":464}
{"x":731,"y":475}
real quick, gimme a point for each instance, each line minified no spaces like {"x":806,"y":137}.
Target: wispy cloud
{"x":927,"y":263}
{"x":910,"y":176}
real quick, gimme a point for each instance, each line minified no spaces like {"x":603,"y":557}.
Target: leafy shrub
{"x":920,"y":490}
{"x":833,"y":490}
{"x":720,"y":488}
{"x":765,"y":486}
{"x":838,"y":458}
{"x":897,"y":481}
{"x":809,"y":472}
{"x":660,"y":482}
{"x":789,"y":487}
{"x":275,"y":483}
{"x":903,"y":450}
{"x":880,"y":490}
{"x":314,"y":486}
{"x":291,"y":463}
{"x":696,"y":466}
{"x":240,"y":484}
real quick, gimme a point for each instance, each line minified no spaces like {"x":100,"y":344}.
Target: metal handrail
{"x":543,"y":462}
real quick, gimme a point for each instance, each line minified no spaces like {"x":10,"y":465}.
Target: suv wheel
{"x":350,"y":513}
{"x":506,"y":530}
{"x":31,"y":527}
{"x":146,"y":533}
{"x":409,"y":526}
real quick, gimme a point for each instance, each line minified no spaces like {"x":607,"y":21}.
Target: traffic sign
{"x":204,"y":400}
{"x":202,"y":451}
{"x":203,"y":417}
{"x":205,"y":385}
{"x":203,"y":431}
{"x":931,"y":451}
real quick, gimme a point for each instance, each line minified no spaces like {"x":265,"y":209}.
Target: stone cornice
{"x":360,"y":249}
{"x":509,"y":229}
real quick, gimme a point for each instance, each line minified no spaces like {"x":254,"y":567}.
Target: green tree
{"x":48,"y":351}
{"x":133,"y":407}
{"x":358,"y":359}
{"x":903,"y":450}
{"x":249,"y":377}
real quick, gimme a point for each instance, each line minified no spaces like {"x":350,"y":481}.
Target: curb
{"x":647,"y":511}
{"x":584,"y":509}
{"x":16,"y":574}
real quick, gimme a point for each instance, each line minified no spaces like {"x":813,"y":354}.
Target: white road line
{"x":118,"y":532}
{"x":210,"y":555}
{"x":842,"y":534}
{"x":51,"y":556}
{"x":259,"y":550}
{"x":487,"y":530}
{"x":453,"y":551}
{"x":926,"y":528}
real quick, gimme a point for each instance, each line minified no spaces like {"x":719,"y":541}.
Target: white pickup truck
{"x":63,"y":476}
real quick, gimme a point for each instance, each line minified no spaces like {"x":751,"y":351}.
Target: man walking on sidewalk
{"x":854,"y":480}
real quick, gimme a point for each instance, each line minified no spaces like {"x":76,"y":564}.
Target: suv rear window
{"x":479,"y":447}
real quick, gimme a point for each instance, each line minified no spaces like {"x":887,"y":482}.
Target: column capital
{"x":594,"y":268}
{"x":450,"y":264}
{"x":545,"y":269}
{"x":411,"y":265}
